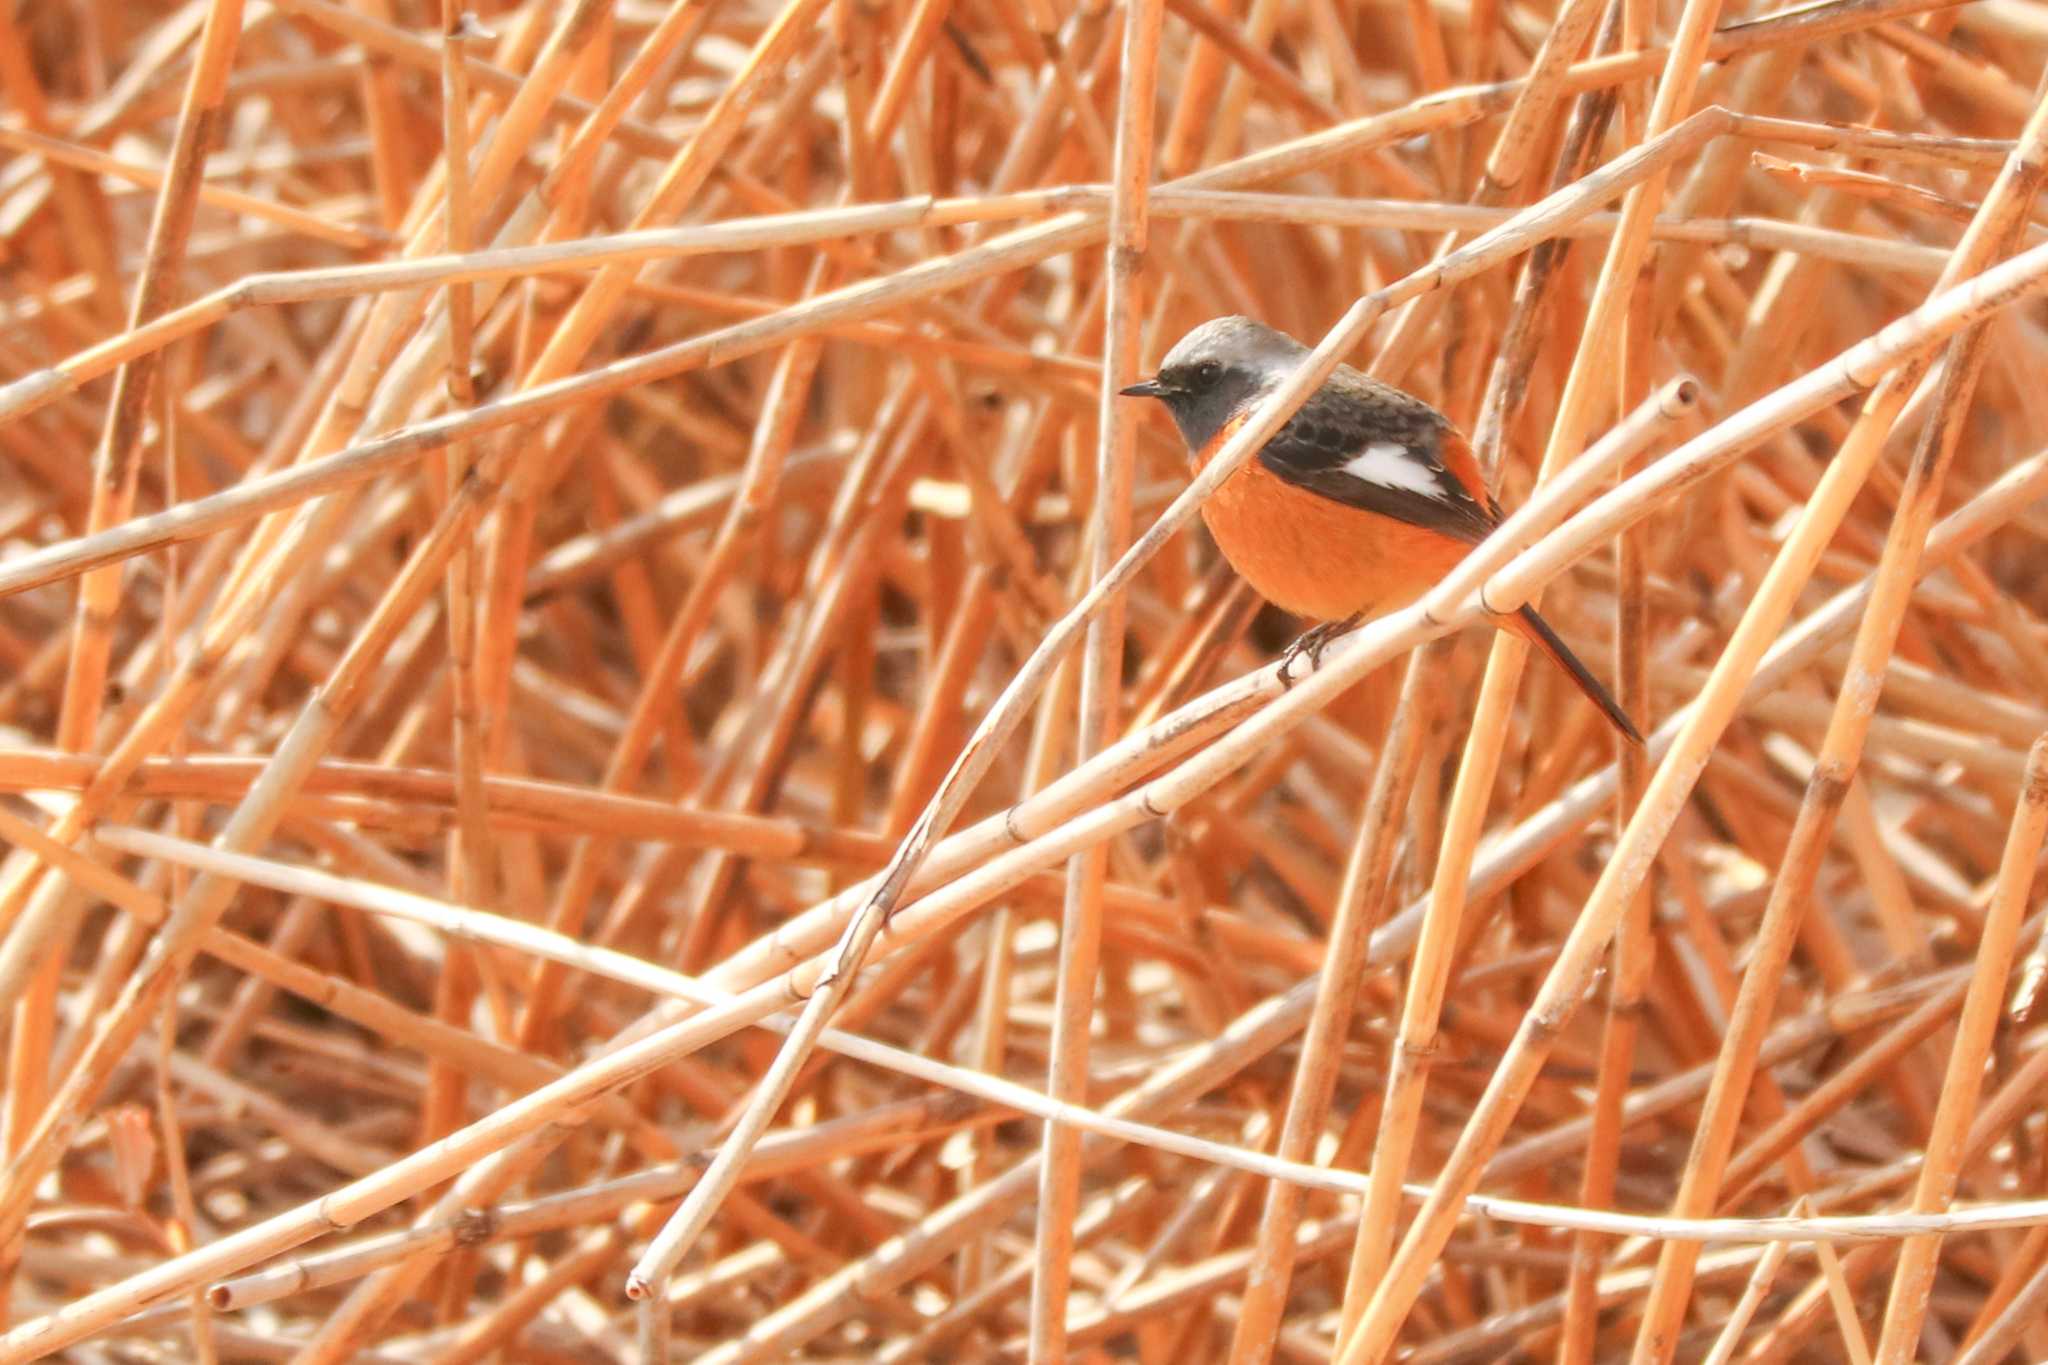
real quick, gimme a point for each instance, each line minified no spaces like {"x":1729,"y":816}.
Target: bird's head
{"x":1216,"y":370}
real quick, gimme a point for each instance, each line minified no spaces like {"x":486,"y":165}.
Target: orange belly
{"x":1317,"y":557}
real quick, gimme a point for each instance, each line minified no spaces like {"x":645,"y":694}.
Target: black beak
{"x":1149,"y":388}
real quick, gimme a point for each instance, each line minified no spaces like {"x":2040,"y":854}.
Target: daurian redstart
{"x":1361,"y":503}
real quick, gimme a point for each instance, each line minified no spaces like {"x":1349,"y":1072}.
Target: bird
{"x":1356,"y":507}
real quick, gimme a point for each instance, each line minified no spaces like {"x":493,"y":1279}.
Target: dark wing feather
{"x":1351,"y":413}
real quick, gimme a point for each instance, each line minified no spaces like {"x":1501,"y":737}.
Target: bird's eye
{"x":1208,"y":371}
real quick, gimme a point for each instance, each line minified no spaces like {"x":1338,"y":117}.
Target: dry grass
{"x":617,"y":749}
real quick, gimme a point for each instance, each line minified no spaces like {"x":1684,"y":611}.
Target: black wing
{"x":1349,"y":416}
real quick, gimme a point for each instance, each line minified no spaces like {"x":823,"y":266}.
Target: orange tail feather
{"x":1538,"y":632}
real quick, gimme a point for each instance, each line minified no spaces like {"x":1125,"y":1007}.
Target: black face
{"x":1202,"y":394}
{"x":1197,"y":375}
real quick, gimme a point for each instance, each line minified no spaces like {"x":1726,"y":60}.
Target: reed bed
{"x":616,"y":748}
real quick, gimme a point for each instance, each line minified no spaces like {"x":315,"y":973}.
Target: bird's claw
{"x":1312,"y":642}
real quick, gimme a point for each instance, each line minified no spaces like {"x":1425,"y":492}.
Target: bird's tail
{"x":1527,"y":623}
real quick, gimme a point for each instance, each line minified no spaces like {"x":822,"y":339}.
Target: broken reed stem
{"x":649,"y":1277}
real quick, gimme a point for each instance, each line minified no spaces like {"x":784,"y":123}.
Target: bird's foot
{"x":1313,"y":642}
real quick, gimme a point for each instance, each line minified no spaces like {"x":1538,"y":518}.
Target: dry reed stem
{"x":1842,"y":748}
{"x":116,"y":471}
{"x":483,"y":927}
{"x":1360,"y":907}
{"x":286,"y":1230}
{"x":1244,"y":441}
{"x":1100,"y":673}
{"x":1913,"y":1277}
{"x":1759,"y":1284}
{"x":629,"y":451}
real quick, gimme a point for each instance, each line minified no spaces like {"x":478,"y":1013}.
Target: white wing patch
{"x":1392,"y":465}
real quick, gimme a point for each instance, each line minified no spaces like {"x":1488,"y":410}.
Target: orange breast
{"x":1317,"y":557}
